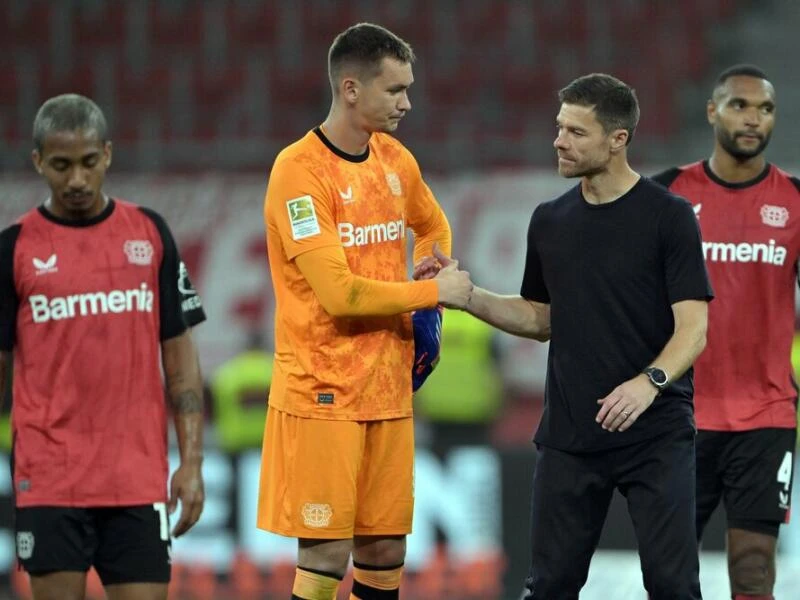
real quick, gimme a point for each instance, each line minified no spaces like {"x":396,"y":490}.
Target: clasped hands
{"x":455,"y":286}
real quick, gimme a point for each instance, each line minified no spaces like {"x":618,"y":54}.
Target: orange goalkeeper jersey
{"x":352,"y":363}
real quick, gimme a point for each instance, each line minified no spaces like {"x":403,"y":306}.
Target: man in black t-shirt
{"x":615,"y":279}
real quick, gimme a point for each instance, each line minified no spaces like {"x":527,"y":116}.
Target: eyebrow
{"x":570,"y":127}
{"x":58,"y":157}
{"x":744,"y":101}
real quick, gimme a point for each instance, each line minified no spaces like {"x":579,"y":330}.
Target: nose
{"x":77,"y":178}
{"x":405,"y":103}
{"x":559,"y":143}
{"x":752,"y":117}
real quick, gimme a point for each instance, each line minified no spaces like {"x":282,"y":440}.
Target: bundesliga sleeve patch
{"x":303,"y":217}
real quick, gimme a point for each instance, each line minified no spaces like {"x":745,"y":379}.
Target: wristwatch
{"x":657,"y":377}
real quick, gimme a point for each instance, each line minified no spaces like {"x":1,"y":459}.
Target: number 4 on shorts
{"x":785,"y":471}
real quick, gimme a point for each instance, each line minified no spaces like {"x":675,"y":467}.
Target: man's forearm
{"x":187,"y":408}
{"x":344,"y":294}
{"x":185,"y":395}
{"x":436,"y":231}
{"x":512,"y":314}
{"x":682,"y":350}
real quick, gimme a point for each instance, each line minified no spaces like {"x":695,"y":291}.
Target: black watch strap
{"x":658,"y":377}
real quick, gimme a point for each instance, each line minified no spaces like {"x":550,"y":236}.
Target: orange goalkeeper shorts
{"x":323,"y":479}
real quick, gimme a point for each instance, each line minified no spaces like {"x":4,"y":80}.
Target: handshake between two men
{"x":455,"y":286}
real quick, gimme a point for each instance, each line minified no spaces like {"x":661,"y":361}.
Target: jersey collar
{"x":356,"y":158}
{"x":736,"y":186}
{"x":83,"y":223}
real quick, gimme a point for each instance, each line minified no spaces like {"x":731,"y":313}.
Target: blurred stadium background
{"x":201,"y":95}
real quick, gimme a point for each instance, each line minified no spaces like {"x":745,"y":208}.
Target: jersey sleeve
{"x":668,"y":177}
{"x":180,"y":305}
{"x":533,"y":284}
{"x":796,"y":182}
{"x":425,"y":216}
{"x":684,"y":265}
{"x":9,"y":301}
{"x":298,"y":209}
{"x":343,"y":294}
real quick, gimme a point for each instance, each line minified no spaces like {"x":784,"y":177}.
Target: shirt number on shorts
{"x":785,"y":471}
{"x":163,"y":522}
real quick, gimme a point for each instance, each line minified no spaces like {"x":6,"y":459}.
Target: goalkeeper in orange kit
{"x":338,"y":454}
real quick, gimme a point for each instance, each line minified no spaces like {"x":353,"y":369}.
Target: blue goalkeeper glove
{"x":427,"y":343}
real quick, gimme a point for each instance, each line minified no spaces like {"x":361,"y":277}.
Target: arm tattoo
{"x":187,"y":402}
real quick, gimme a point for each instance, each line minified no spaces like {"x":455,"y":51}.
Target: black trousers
{"x":571,"y":496}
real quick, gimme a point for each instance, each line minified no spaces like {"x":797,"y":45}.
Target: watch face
{"x":658,"y":376}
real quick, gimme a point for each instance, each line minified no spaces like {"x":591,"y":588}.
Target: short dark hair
{"x":737,"y":70}
{"x":68,"y":112}
{"x":614,"y":101}
{"x":365,"y":45}
{"x":742,"y":70}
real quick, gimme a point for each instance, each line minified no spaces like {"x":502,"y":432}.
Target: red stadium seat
{"x":173,"y":26}
{"x":29,"y":26}
{"x":481,"y":61}
{"x":78,"y":80}
{"x":102,"y":28}
{"x":251,"y":24}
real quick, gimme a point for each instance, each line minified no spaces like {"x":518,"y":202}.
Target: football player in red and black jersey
{"x":745,"y":396}
{"x":94,"y":301}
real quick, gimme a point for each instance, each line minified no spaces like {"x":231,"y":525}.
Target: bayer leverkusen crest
{"x":774,"y":216}
{"x":393,"y":182}
{"x":139,"y":252}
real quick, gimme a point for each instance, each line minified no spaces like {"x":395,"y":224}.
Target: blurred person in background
{"x":461,"y":402}
{"x":239,"y":387}
{"x":95,"y":301}
{"x":614,"y":278}
{"x":745,"y":397}
{"x":338,"y":453}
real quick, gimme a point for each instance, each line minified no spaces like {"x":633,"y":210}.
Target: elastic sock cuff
{"x":366,"y":567}
{"x":380,"y":578}
{"x":321,"y":573}
{"x":310,"y":584}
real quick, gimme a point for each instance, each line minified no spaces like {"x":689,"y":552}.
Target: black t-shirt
{"x":611,"y":273}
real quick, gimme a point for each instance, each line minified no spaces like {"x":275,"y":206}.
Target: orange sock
{"x":376,"y":583}
{"x":315,"y":585}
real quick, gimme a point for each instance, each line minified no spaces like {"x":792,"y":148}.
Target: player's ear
{"x":711,"y":111}
{"x":619,"y":139}
{"x":107,"y":154}
{"x":36,"y":158}
{"x":350,"y":90}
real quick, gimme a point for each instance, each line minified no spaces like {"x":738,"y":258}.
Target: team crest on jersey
{"x":317,"y":515}
{"x":45,"y":266}
{"x":24,"y":544}
{"x":774,"y":216}
{"x":394,"y":184}
{"x":139,"y":252}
